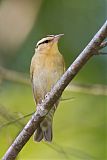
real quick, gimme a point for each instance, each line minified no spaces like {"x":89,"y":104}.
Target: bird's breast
{"x":47,"y":71}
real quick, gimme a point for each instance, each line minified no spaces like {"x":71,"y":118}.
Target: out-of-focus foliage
{"x":79,"y":125}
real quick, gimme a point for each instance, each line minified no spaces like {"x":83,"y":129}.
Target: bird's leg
{"x":39,"y":104}
{"x":40,"y":108}
{"x":48,"y":93}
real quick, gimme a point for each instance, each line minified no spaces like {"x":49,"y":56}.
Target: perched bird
{"x":47,"y":66}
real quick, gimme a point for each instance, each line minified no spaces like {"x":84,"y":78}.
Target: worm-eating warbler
{"x":47,"y":66}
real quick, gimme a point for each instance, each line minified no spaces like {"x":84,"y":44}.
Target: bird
{"x":47,"y":66}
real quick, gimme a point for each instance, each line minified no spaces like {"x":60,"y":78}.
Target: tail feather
{"x":48,"y":133}
{"x":38,"y":135}
{"x":44,"y":131}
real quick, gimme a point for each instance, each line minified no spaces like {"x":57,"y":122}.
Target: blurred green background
{"x":79,"y":123}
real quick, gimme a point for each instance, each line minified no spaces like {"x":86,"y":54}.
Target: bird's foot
{"x":47,"y":95}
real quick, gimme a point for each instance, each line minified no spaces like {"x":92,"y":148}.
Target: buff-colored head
{"x":48,"y":43}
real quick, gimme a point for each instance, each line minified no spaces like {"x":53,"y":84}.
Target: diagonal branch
{"x":55,"y":94}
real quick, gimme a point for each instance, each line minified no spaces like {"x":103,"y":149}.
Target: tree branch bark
{"x":55,"y":94}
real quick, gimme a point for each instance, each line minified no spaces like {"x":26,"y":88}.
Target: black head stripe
{"x":46,"y":41}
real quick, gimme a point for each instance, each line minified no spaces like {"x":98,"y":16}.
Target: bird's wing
{"x":31,"y":75}
{"x":32,"y":69}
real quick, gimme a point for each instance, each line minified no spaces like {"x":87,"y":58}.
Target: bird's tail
{"x":44,"y":131}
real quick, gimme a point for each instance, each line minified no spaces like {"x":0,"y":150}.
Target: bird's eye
{"x":46,"y":41}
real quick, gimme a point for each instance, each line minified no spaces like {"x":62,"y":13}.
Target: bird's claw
{"x":47,"y":95}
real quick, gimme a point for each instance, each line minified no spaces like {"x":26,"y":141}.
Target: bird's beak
{"x":57,"y":37}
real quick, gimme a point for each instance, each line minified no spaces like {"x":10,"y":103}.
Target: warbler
{"x":47,"y":66}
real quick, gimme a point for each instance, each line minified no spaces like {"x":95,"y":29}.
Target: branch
{"x":94,"y":89}
{"x":8,"y":116}
{"x":13,"y":76}
{"x":102,"y":53}
{"x":102,"y":45}
{"x":55,"y":94}
{"x":15,"y":120}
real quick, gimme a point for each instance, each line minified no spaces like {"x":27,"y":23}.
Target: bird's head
{"x":49,"y":43}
